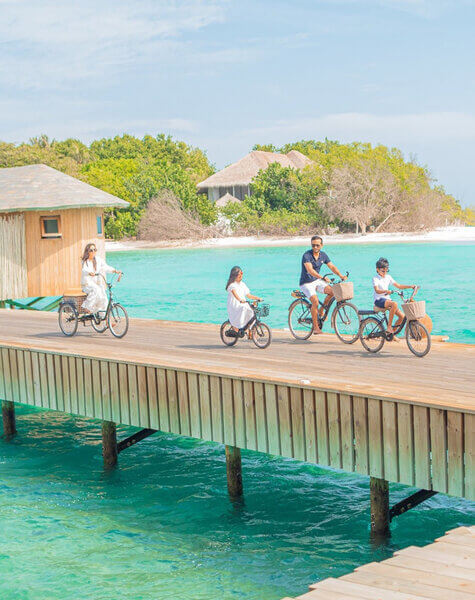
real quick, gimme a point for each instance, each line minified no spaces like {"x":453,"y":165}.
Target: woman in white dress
{"x":92,"y":285}
{"x":239,"y":311}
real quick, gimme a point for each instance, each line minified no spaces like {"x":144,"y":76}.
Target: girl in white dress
{"x":239,"y":311}
{"x":92,"y":285}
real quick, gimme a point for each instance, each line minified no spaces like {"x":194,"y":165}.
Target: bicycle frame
{"x":95,"y":316}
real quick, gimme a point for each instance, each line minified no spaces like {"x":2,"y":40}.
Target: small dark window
{"x":50,"y":227}
{"x":99,"y":225}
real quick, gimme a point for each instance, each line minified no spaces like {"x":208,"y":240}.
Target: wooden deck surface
{"x":444,"y":570}
{"x":445,"y":378}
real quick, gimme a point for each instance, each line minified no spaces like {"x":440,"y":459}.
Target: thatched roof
{"x":38,"y":187}
{"x":243,"y":171}
{"x":226,"y":199}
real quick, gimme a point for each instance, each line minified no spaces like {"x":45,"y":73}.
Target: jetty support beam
{"x":234,"y":471}
{"x":8,"y":417}
{"x":379,"y":500}
{"x":109,"y":443}
{"x":410,"y":502}
{"x":134,"y":439}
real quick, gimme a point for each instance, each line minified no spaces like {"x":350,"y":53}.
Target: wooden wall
{"x":13,"y":272}
{"x":415,"y":445}
{"x":54,"y":264}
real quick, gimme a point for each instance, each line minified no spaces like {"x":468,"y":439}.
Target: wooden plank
{"x":3,"y":395}
{"x":58,"y":382}
{"x":310,"y":426}
{"x":133,"y":396}
{"x":250,"y":415}
{"x":114,"y":392}
{"x":430,"y":566}
{"x":239,"y":414}
{"x":30,"y":392}
{"x":173,"y":401}
{"x":227,"y":404}
{"x":142,"y":396}
{"x":194,"y":401}
{"x":421,"y":420}
{"x":261,"y":420}
{"x":284,"y":421}
{"x":469,"y":445}
{"x":183,"y":403}
{"x":438,"y":444}
{"x":405,"y":428}
{"x":66,"y":383}
{"x":105,"y":391}
{"x":205,"y":407}
{"x":153,"y":398}
{"x":7,"y":377}
{"x":360,"y":424}
{"x":216,"y":408}
{"x":51,"y":381}
{"x":375,"y":437}
{"x":459,"y":540}
{"x":436,"y":553}
{"x":350,"y":590}
{"x":390,"y":441}
{"x":80,"y":386}
{"x":163,"y":409}
{"x":15,"y":384}
{"x":43,"y":380}
{"x":21,"y":375}
{"x":272,"y":417}
{"x":298,"y":423}
{"x":455,"y":474}
{"x":347,"y":433}
{"x":321,"y":411}
{"x":88,"y":391}
{"x":73,"y":385}
{"x":96,"y":389}
{"x":124,"y":394}
{"x":334,"y":429}
{"x":35,"y":365}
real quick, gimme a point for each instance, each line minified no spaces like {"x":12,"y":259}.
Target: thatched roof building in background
{"x":226,"y":199}
{"x":236,"y":178}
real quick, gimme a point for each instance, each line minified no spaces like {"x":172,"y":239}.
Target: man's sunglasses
{"x":316,"y":245}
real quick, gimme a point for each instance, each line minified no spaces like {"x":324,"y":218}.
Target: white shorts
{"x":310,"y":289}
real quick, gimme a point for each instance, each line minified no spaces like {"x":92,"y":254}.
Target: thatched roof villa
{"x":46,"y":219}
{"x":236,"y":178}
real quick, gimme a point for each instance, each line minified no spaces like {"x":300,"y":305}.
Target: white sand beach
{"x":442,"y":234}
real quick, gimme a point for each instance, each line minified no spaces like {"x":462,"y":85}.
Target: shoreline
{"x":443,"y":234}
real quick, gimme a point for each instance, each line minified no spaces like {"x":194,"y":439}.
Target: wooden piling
{"x":234,"y":471}
{"x":109,"y":443}
{"x":379,"y":500}
{"x":8,"y":416}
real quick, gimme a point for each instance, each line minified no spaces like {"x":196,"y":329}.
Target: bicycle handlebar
{"x":414,"y":292}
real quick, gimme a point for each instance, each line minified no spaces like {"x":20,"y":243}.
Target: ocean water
{"x":161,"y":526}
{"x":188,"y":285}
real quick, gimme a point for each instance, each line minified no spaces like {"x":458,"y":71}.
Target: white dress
{"x":239,"y":314}
{"x":94,"y":287}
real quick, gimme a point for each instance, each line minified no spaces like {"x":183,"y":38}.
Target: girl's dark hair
{"x":233,"y":275}
{"x":85,"y":255}
{"x":382,"y":263}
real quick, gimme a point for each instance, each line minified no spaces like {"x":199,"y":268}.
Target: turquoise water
{"x":188,"y":285}
{"x":161,"y":525}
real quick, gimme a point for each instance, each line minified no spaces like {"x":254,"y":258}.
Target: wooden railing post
{"x":109,"y":443}
{"x":234,"y":471}
{"x":379,"y":500}
{"x":8,"y":417}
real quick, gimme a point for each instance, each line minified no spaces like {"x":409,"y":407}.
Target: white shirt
{"x":88,"y":267}
{"x":382,"y":283}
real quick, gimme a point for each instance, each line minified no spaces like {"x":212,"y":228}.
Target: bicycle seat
{"x":376,"y":309}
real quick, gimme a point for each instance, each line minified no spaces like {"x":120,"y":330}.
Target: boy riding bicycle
{"x":381,"y":283}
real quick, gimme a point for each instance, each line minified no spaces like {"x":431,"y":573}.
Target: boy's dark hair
{"x":316,"y":237}
{"x":382,"y":263}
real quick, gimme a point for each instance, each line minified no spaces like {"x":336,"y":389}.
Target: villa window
{"x":99,"y":225}
{"x":50,"y":227}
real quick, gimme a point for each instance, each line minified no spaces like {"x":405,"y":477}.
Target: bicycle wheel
{"x":261,"y":335}
{"x":371,"y":334}
{"x":300,"y":319}
{"x":68,"y":319}
{"x":417,"y":338}
{"x":99,"y":327}
{"x":118,"y":320}
{"x":227,"y":341}
{"x":346,"y":322}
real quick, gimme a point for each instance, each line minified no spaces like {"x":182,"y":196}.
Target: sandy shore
{"x":447,"y":234}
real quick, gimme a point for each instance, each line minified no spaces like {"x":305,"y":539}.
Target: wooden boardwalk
{"x":391,"y":416}
{"x":444,"y":570}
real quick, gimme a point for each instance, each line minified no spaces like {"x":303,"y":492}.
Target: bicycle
{"x":114,"y":318}
{"x":258,"y":331}
{"x":344,"y":320}
{"x":373,"y":330}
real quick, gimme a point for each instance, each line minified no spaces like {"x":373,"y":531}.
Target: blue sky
{"x":224,"y":75}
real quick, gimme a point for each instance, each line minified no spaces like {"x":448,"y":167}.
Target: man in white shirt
{"x":381,"y":283}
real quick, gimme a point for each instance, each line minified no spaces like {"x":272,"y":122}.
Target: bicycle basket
{"x":343,"y":291}
{"x":414,"y":310}
{"x":262,"y":310}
